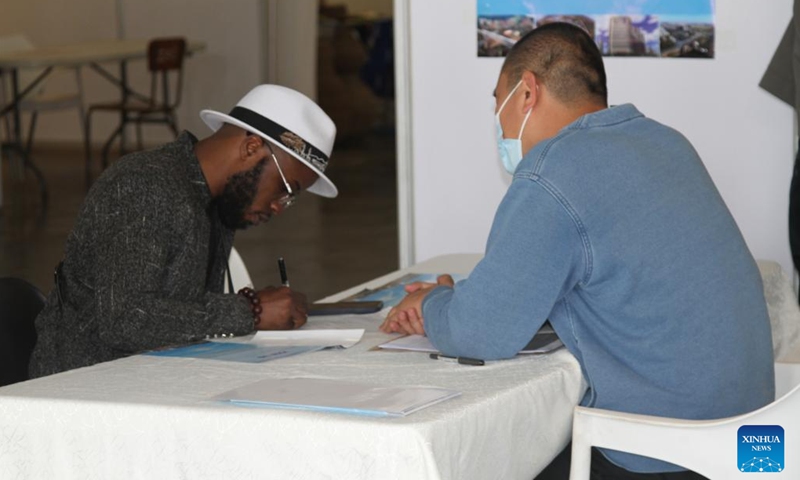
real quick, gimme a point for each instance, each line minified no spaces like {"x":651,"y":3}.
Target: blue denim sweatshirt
{"x":614,"y":231}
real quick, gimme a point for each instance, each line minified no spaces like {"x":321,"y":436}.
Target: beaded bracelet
{"x":255,"y":303}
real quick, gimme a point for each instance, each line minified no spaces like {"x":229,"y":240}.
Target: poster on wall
{"x":621,"y":28}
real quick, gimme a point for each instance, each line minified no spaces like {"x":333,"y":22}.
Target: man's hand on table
{"x":406,"y":317}
{"x":281,"y":309}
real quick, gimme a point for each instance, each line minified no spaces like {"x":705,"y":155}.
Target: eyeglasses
{"x":287,"y":200}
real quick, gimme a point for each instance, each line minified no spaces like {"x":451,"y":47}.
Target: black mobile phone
{"x":343,"y":308}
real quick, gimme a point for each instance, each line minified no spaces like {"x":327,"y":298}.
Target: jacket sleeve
{"x":133,"y":257}
{"x":534,"y":257}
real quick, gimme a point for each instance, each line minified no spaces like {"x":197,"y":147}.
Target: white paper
{"x":344,"y":338}
{"x":414,"y":343}
{"x":327,"y":395}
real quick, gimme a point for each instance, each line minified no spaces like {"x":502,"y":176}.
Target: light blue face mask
{"x":510,"y":149}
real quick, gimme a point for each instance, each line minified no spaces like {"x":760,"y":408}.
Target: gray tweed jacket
{"x":143,"y":268}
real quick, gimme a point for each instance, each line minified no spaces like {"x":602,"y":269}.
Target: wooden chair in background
{"x":165,"y":64}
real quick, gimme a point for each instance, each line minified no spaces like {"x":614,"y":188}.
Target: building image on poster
{"x":621,"y":28}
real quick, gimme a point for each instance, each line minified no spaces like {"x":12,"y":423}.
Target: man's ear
{"x":251,"y":149}
{"x":530,"y":86}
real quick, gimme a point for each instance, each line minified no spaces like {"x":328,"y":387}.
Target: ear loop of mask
{"x":522,"y":127}
{"x":508,"y":97}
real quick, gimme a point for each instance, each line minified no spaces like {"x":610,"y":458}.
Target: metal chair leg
{"x":84,"y":126}
{"x":31,"y":130}
{"x":173,"y":124}
{"x":107,"y":146}
{"x":26,"y":164}
{"x":87,"y":145}
{"x":139,"y":143}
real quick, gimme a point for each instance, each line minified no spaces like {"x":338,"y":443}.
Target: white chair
{"x":787,"y":376}
{"x":239,"y":274}
{"x":40,"y":99}
{"x":784,"y":314}
{"x":708,"y":447}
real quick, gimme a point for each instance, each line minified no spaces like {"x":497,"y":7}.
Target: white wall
{"x":228,"y":68}
{"x":290,"y":41}
{"x":215,"y":78}
{"x":743,"y":134}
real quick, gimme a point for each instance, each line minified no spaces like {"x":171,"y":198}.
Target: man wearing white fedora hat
{"x":145,"y":264}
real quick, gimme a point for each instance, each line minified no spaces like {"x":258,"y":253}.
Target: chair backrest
{"x":239,"y":275}
{"x":708,"y":447}
{"x":165,"y":55}
{"x":20,"y":303}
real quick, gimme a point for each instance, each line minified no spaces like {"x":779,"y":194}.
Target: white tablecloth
{"x":150,"y":418}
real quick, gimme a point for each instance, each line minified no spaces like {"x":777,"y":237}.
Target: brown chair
{"x":165,"y":62}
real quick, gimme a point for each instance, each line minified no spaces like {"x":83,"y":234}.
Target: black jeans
{"x":603,"y":469}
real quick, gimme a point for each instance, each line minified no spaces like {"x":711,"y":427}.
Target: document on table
{"x":544,"y":341}
{"x":413,"y":343}
{"x":233,"y":352}
{"x":393,"y":292}
{"x":344,"y":338}
{"x":265,"y":346}
{"x":327,"y":395}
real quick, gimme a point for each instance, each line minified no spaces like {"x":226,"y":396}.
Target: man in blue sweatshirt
{"x":613,"y":230}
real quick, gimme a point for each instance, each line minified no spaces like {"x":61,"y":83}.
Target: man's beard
{"x":238,"y":196}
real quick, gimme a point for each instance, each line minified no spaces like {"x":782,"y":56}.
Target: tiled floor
{"x":328,"y":244}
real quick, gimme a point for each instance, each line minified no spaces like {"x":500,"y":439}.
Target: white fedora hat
{"x":291,"y":121}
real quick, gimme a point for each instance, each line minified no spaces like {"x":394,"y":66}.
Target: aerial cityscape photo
{"x":679,"y":29}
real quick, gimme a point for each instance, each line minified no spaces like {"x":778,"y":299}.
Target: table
{"x":150,"y":417}
{"x":72,"y":55}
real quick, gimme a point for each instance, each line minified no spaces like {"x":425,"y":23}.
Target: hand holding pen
{"x":281,"y":307}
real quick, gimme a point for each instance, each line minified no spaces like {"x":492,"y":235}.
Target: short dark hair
{"x":564,"y":58}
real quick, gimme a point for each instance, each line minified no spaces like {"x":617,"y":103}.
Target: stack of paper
{"x":265,"y":346}
{"x":327,"y":395}
{"x":344,"y":338}
{"x":232,"y":352}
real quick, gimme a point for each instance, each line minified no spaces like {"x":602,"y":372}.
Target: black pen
{"x":282,"y":268}
{"x":461,"y":360}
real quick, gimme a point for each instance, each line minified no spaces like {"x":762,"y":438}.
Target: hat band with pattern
{"x":289,"y":139}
